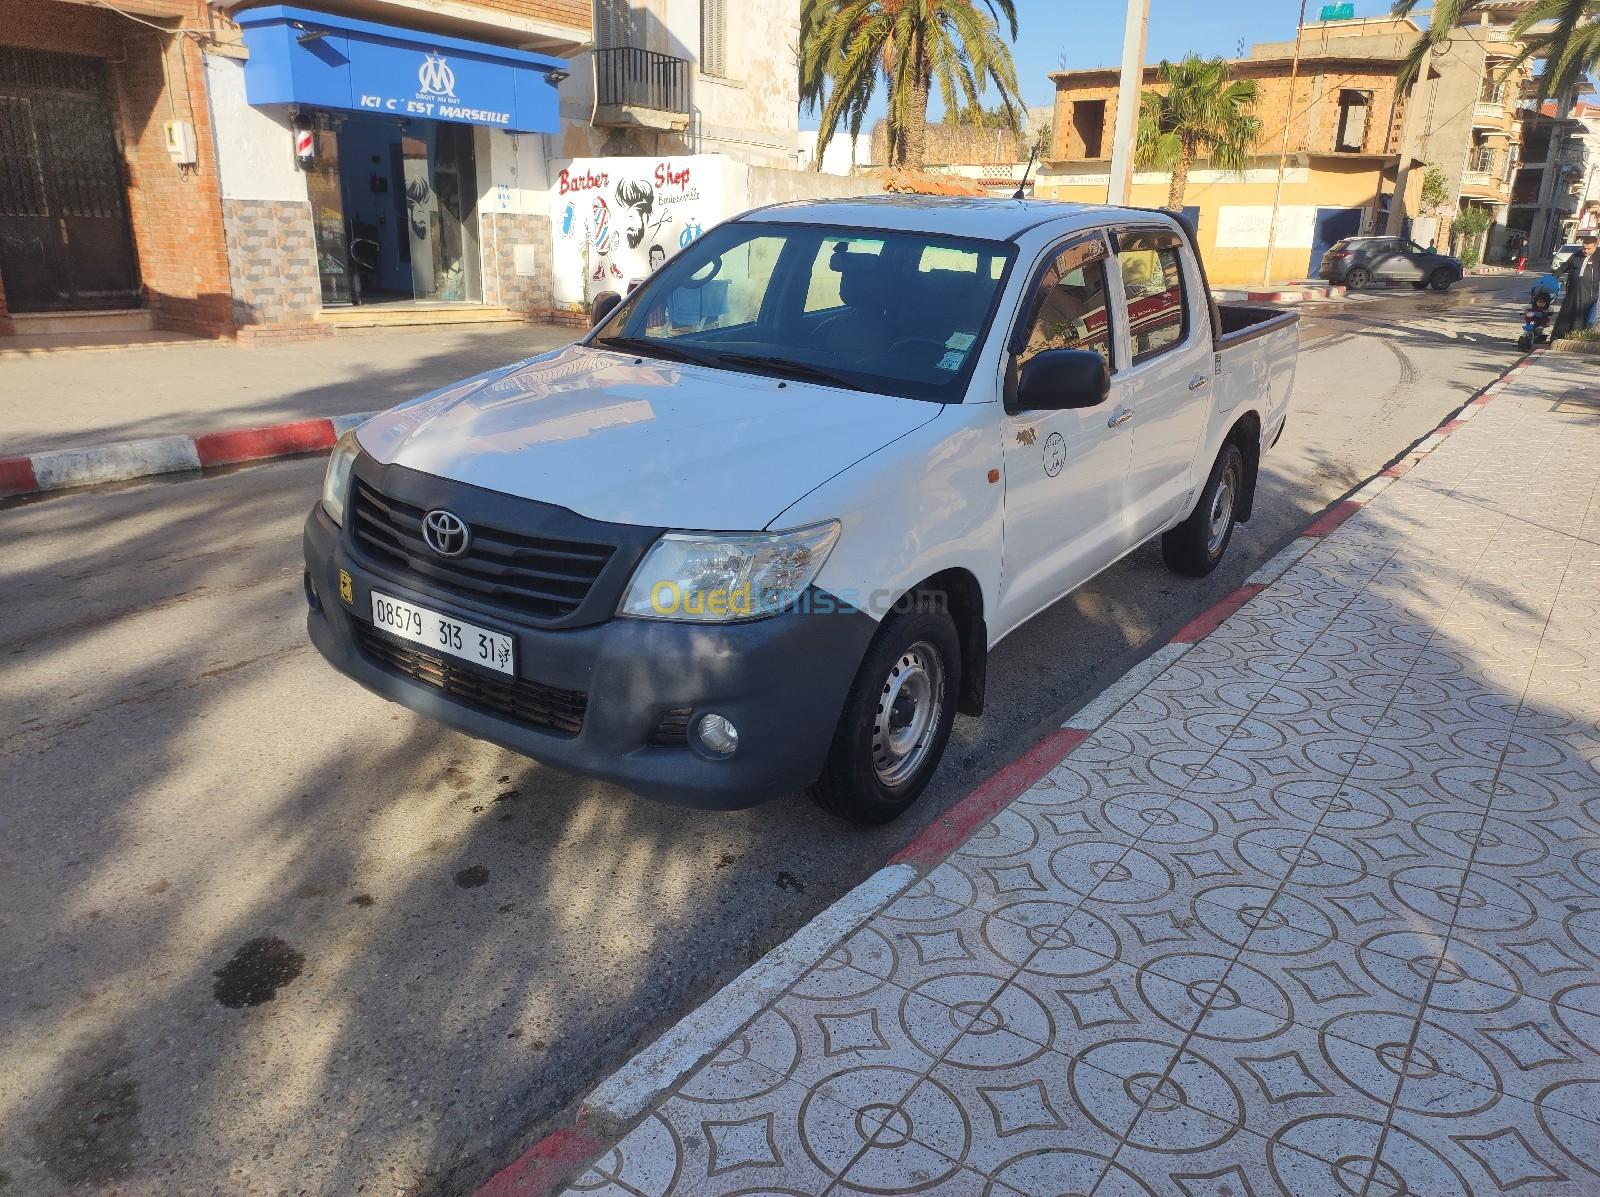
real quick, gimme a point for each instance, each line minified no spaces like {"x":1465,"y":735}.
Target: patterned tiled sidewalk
{"x":1317,"y":913}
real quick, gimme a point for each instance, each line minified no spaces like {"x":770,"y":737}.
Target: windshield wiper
{"x":661,"y":349}
{"x":782,"y":365}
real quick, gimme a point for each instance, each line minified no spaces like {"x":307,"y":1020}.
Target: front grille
{"x":535,"y":576}
{"x":672,"y":729}
{"x":544,"y":707}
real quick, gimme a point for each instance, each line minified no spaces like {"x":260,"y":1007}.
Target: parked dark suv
{"x":1360,"y":261}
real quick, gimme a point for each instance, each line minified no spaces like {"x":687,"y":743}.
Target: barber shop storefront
{"x":386,"y":160}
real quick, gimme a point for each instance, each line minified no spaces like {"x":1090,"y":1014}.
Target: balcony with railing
{"x":641,"y":89}
{"x":1489,"y":114}
{"x":1483,"y":177}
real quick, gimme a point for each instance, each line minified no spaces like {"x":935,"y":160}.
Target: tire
{"x":862,"y":780}
{"x":1357,"y":277}
{"x":1195,"y":547}
{"x":1441,"y":279}
{"x":1422,"y":286}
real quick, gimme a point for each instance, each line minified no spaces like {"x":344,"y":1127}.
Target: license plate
{"x":443,"y":634}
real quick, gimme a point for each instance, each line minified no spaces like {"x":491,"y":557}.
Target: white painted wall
{"x":255,"y":146}
{"x":836,"y":159}
{"x":513,"y":175}
{"x":1066,"y":177}
{"x":751,"y":113}
{"x":1249,"y":226}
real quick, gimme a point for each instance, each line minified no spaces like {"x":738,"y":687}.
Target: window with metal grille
{"x":83,"y":149}
{"x":21,"y":180}
{"x":713,"y":37}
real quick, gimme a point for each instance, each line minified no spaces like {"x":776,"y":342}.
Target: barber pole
{"x":305,"y":148}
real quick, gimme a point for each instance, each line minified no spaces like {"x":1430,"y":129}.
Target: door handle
{"x":1198,"y":381}
{"x":1122,"y":417}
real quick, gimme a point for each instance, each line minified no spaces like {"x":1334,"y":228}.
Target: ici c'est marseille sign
{"x":321,"y":60}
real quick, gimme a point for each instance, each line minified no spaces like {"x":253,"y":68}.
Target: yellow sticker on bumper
{"x":347,"y":590}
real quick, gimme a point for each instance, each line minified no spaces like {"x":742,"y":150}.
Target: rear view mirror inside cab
{"x":1059,"y":379}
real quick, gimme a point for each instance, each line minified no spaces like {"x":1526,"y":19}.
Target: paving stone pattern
{"x":1317,"y":913}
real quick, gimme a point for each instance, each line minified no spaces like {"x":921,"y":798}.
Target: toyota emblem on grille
{"x":445,"y":532}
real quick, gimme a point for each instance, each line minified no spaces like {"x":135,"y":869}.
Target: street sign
{"x":1338,"y":12}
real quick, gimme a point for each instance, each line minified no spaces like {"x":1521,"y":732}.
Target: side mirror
{"x":604,"y":304}
{"x":1059,"y":379}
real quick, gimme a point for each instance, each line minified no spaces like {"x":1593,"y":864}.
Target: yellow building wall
{"x":1334,"y":185}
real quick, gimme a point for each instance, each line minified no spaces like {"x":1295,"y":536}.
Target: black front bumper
{"x":781,"y":681}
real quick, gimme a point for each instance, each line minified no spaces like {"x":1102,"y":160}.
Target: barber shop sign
{"x":615,"y":220}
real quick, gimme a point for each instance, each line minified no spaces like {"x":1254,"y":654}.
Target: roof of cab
{"x":953,"y":216}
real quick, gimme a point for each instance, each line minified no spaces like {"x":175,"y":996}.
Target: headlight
{"x":704,"y":578}
{"x":336,"y":482}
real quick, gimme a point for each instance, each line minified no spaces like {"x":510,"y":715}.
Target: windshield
{"x":893,"y":312}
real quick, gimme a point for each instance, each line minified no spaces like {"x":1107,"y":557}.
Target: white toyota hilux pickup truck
{"x":761,"y":527}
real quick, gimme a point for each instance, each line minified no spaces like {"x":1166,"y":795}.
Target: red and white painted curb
{"x":1287,"y":294}
{"x":629,"y":1092}
{"x":64,"y":469}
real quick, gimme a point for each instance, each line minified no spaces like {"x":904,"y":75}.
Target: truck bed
{"x":1255,"y":352}
{"x":1239,"y":322}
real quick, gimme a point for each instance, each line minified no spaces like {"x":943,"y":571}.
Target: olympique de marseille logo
{"x":436,"y":78}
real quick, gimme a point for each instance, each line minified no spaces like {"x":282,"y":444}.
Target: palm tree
{"x":1203,"y":113}
{"x":1569,"y":43}
{"x":849,"y":47}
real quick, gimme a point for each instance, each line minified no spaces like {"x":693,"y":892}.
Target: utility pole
{"x":1130,"y":88}
{"x":1283,"y":148}
{"x":1410,"y":133}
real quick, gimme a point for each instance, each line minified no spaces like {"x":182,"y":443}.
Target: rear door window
{"x":1153,"y":292}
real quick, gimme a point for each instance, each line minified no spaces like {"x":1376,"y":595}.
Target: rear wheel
{"x":896,"y":720}
{"x":1357,"y":278}
{"x":1195,"y":547}
{"x":1441,"y":279}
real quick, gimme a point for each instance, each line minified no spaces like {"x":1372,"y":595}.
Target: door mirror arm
{"x":1058,"y":380}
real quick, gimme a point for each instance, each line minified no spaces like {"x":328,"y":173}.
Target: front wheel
{"x":1195,"y":547}
{"x":1357,"y":278}
{"x":896,"y":719}
{"x":1441,"y":279}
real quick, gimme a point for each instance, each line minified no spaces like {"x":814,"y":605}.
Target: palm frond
{"x":916,"y":46}
{"x":1203,"y":112}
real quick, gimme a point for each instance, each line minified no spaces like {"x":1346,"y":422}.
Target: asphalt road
{"x":261,"y":932}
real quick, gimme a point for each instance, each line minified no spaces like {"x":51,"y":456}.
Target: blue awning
{"x":318,"y":60}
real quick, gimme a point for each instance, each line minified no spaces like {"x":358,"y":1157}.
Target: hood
{"x":633,"y":441}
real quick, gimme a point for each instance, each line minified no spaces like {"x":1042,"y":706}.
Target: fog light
{"x":716,"y":735}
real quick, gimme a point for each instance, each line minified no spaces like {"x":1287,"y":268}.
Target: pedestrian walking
{"x":1581,"y":277}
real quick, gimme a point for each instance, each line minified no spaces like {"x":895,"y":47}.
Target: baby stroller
{"x":1540,"y":311}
